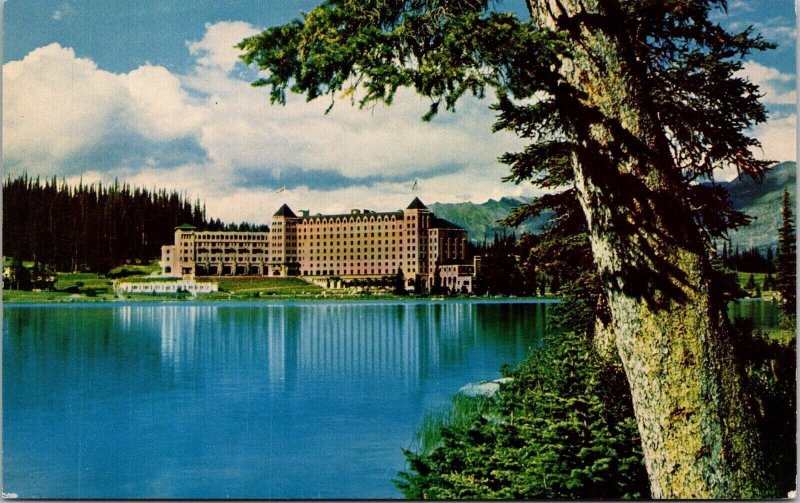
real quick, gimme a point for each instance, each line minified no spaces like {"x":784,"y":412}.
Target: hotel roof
{"x":441,"y":223}
{"x":416,"y":204}
{"x":360,"y":214}
{"x":285,"y":211}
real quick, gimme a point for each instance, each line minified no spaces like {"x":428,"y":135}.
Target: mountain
{"x":761,"y":201}
{"x":480,"y":220}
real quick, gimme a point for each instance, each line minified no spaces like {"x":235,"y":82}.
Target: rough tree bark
{"x":698,"y":434}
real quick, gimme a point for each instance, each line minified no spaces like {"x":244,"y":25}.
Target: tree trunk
{"x":698,"y":433}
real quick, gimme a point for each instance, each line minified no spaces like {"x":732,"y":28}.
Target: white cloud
{"x":159,"y":107}
{"x":243,"y":130}
{"x":778,"y":88}
{"x":211,"y":135}
{"x":54,"y":103}
{"x":470,"y":185}
{"x":777,"y":30}
{"x":740,"y":5}
{"x":778,"y":139}
{"x":66,"y":116}
{"x":217,"y":49}
{"x":60,"y":108}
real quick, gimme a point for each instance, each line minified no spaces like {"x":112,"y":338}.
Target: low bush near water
{"x":563,"y":428}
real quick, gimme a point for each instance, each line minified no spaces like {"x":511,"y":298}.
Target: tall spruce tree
{"x":787,"y":258}
{"x":625,"y":103}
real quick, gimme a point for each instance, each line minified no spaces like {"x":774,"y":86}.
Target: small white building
{"x":191,"y":287}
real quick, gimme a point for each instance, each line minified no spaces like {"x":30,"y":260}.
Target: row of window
{"x":356,"y":257}
{"x":226,"y":236}
{"x":228,"y":259}
{"x":351,"y":250}
{"x":349,"y":272}
{"x":207,"y":244}
{"x":357,"y":263}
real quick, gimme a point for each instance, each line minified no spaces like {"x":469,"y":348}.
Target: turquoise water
{"x":237,"y":400}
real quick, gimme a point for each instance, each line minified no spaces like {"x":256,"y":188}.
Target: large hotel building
{"x":361,"y":244}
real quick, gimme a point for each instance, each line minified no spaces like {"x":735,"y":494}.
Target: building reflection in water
{"x":333,"y":341}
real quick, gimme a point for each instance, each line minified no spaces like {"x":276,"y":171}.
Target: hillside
{"x":762,"y":201}
{"x":480,"y":220}
{"x":758,"y":200}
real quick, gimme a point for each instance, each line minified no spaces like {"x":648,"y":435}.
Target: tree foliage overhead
{"x":366,"y":50}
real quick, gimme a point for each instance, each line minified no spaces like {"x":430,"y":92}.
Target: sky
{"x":152,"y":93}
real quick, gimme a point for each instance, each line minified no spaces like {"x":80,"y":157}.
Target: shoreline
{"x":276,"y":300}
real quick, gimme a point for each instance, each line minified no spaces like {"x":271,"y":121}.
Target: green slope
{"x":480,"y":220}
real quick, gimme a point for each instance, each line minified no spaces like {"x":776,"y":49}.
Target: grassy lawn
{"x":82,"y":282}
{"x":12,"y":296}
{"x":18,"y":296}
{"x":69,"y":287}
{"x":263,"y":286}
{"x":745,"y":276}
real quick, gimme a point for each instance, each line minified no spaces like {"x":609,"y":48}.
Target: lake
{"x":194,"y":400}
{"x":764,"y":314}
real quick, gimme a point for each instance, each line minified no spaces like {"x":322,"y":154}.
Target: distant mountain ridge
{"x":761,"y":201}
{"x":480,"y":219}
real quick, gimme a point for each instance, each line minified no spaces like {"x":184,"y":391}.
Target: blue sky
{"x":150,"y":92}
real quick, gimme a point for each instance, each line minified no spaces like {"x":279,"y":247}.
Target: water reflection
{"x":324,"y":341}
{"x":764,"y":314}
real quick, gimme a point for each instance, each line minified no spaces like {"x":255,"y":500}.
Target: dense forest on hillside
{"x":761,"y":201}
{"x":93,"y":227}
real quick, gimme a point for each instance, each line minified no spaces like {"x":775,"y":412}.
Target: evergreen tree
{"x":636,"y":101}
{"x":399,"y":282}
{"x":787,"y":258}
{"x":768,"y":282}
{"x":751,"y":282}
{"x":436,"y":288}
{"x":20,"y":276}
{"x":770,"y":260}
